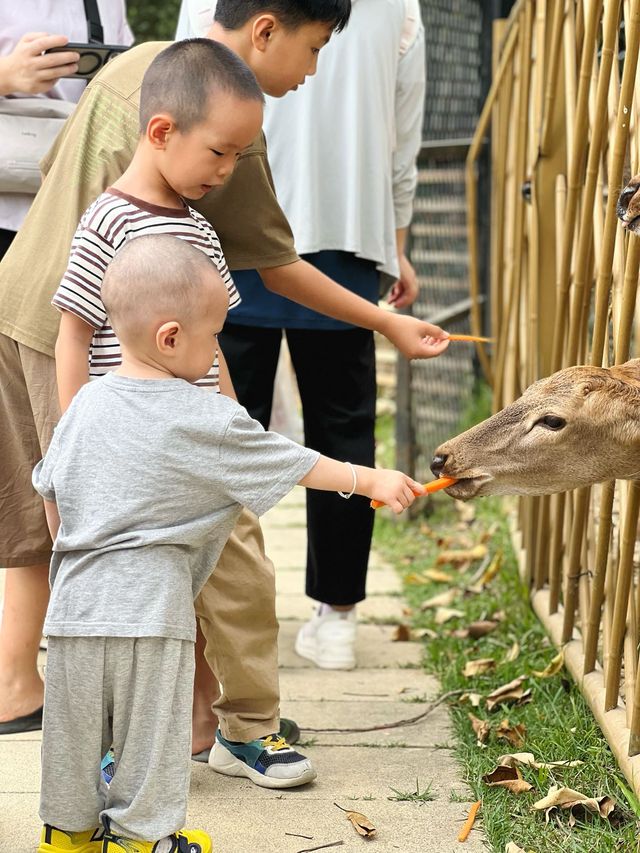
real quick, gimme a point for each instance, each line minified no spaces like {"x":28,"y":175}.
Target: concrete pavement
{"x":358,"y":770}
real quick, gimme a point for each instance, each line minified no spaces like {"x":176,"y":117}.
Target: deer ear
{"x":595,"y":383}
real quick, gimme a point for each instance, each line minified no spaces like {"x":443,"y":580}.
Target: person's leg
{"x":151,"y":681}
{"x":206,"y":691}
{"x":28,"y":413}
{"x":75,"y":735}
{"x":252,"y":356}
{"x":236,"y":609}
{"x":337,"y":381}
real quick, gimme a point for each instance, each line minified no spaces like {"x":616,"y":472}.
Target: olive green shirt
{"x":92,"y":151}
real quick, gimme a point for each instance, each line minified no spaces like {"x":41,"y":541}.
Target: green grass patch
{"x":559,"y":723}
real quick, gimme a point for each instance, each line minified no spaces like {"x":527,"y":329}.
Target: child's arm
{"x":72,"y":357}
{"x":53,"y":518}
{"x":393,"y":488}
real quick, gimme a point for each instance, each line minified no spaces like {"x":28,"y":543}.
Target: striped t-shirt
{"x":105,"y":227}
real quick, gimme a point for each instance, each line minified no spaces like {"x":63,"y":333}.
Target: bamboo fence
{"x":563,"y":115}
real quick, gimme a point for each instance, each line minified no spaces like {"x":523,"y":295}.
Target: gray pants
{"x":134,"y":694}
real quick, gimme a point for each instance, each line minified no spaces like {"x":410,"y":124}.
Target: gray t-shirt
{"x":149,"y":477}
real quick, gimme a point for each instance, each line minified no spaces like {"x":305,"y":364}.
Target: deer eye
{"x":552,"y":422}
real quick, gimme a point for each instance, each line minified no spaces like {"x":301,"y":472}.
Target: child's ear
{"x":166,"y":337}
{"x":262,"y":30}
{"x":159,"y":130}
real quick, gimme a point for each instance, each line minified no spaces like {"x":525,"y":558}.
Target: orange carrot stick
{"x":430,"y":488}
{"x":468,"y":824}
{"x":472,"y":338}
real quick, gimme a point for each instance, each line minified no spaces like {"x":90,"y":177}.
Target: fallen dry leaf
{"x":489,"y":533}
{"x":421,"y":633}
{"x":526,"y":759}
{"x":478,"y":667}
{"x":482,"y":729}
{"x":507,"y":777}
{"x":443,"y":599}
{"x":402,"y":634}
{"x":482,"y":628}
{"x":515,"y":735}
{"x":474,"y":699}
{"x":553,"y":668}
{"x":462,"y":555}
{"x":499,"y":616}
{"x":488,"y":575}
{"x":513,"y":654}
{"x":575,"y":802}
{"x":512,"y":693}
{"x":512,"y":847}
{"x":459,"y":633}
{"x":444,"y":614}
{"x":414,"y":579}
{"x":466,"y":511}
{"x":437,"y":575}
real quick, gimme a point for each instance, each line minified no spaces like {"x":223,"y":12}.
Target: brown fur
{"x":513,"y":453}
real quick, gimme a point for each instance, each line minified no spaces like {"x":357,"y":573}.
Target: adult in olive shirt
{"x":97,"y":143}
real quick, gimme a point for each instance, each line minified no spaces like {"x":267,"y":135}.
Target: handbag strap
{"x":94,"y":24}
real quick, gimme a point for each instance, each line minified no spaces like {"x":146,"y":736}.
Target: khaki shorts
{"x":29,"y":411}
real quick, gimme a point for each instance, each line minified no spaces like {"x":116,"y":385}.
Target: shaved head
{"x":157,"y":278}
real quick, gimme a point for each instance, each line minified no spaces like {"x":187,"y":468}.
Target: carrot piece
{"x":430,"y":488}
{"x":472,"y":338}
{"x":468,"y":824}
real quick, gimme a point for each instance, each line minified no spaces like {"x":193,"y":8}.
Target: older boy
{"x":280,"y":40}
{"x":136,"y":540}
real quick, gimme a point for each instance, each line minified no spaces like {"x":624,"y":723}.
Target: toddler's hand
{"x":393,"y":488}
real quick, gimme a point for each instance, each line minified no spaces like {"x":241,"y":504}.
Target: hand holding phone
{"x":92,"y":57}
{"x":31,"y":69}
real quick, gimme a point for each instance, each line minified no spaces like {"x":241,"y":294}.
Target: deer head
{"x":575,"y":428}
{"x":628,"y":208}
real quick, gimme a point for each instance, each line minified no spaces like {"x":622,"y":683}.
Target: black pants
{"x":337,"y":380}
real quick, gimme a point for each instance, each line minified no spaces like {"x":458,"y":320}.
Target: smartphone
{"x":92,"y":57}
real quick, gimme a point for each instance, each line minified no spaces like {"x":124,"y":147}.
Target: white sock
{"x":326,"y":609}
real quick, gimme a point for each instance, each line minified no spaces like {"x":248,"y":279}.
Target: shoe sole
{"x":223,"y":762}
{"x":308,"y":650}
{"x":91,"y":847}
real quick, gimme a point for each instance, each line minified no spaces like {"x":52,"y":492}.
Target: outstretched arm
{"x":303,"y":283}
{"x":393,"y":488}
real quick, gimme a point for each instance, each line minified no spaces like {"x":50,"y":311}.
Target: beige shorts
{"x":29,"y":411}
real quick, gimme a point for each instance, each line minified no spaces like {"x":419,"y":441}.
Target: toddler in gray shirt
{"x":143,"y":483}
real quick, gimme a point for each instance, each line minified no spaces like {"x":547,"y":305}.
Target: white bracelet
{"x":355,"y":483}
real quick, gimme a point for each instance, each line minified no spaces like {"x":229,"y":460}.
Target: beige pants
{"x":236,"y":607}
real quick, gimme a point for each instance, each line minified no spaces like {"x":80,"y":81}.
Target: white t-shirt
{"x":112,"y":220}
{"x":56,"y":17}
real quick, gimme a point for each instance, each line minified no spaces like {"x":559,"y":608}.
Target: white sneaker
{"x":329,"y":639}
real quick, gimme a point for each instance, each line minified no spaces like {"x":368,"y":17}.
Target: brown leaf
{"x":488,"y":534}
{"x":414,"y":579}
{"x":526,"y":759}
{"x":488,"y":575}
{"x":443,"y":599}
{"x":444,"y":614}
{"x":401,"y":634}
{"x":512,"y":847}
{"x":473,"y":698}
{"x":421,"y":633}
{"x":462,"y":556}
{"x":482,"y":628}
{"x":437,"y":575}
{"x":576,"y":803}
{"x":513,"y":654}
{"x":515,"y":735}
{"x":466,"y":511}
{"x":507,"y":777}
{"x":553,"y":668}
{"x":482,"y":729}
{"x":459,"y":633}
{"x":478,"y":667}
{"x":361,"y":824}
{"x":512,"y":693}
{"x":499,"y":616}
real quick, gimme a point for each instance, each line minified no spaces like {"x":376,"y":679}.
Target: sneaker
{"x":54,"y":840}
{"x":269,"y":762}
{"x":108,"y":767}
{"x":185,"y":841}
{"x":329,"y":638}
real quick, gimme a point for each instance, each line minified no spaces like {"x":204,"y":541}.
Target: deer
{"x":578,"y":427}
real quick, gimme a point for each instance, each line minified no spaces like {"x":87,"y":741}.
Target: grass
{"x":417,"y":796}
{"x":559,"y":724}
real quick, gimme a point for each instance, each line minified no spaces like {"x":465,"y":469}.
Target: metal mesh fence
{"x":438,"y":391}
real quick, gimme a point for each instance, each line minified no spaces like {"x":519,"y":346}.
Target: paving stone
{"x":375,"y":608}
{"x":361,"y":685}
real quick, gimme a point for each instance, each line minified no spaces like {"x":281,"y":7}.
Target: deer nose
{"x":626,"y":195}
{"x":437,"y":463}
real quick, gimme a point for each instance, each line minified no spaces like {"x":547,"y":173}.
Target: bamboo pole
{"x":615,"y":182}
{"x":574,"y":182}
{"x":472,"y":194}
{"x":554,"y":54}
{"x":570,"y":63}
{"x":599,"y":574}
{"x":500,"y":130}
{"x":575,"y":553}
